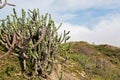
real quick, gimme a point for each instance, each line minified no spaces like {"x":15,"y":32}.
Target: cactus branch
{"x":11,"y":46}
{"x":5,"y":3}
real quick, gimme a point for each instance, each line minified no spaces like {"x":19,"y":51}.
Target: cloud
{"x":105,"y":32}
{"x":74,"y":5}
{"x":76,"y":31}
{"x":61,"y":8}
{"x":66,"y":5}
{"x":63,"y":17}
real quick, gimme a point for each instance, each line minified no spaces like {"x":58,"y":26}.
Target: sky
{"x":94,"y":21}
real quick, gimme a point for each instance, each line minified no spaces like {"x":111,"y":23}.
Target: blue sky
{"x":95,"y":21}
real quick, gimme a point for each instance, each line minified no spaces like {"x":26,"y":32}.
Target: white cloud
{"x":72,"y":5}
{"x":60,"y":7}
{"x":105,"y":32}
{"x":76,"y":32}
{"x":65,"y":5}
{"x":63,"y":17}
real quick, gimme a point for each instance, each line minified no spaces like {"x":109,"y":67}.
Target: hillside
{"x":84,"y":61}
{"x":97,"y":62}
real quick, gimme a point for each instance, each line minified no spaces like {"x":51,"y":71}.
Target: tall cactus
{"x":34,"y":39}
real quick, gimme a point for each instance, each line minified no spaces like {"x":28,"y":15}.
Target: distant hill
{"x":83,"y":61}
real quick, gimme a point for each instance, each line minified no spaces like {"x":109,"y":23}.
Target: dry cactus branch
{"x":11,"y":47}
{"x":5,"y":3}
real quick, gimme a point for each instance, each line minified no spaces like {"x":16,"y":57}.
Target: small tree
{"x":34,"y":39}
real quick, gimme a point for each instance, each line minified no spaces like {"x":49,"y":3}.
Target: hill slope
{"x":84,"y":61}
{"x":94,"y":62}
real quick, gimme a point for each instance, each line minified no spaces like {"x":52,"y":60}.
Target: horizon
{"x":87,"y":20}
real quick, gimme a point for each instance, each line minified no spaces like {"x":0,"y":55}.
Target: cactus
{"x":34,"y":39}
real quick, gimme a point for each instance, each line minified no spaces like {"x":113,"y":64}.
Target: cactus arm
{"x":4,"y":44}
{"x":42,"y":36}
{"x":11,"y":47}
{"x":2,"y":6}
{"x":7,"y":40}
